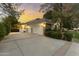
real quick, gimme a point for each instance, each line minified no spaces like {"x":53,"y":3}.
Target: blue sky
{"x":32,"y":6}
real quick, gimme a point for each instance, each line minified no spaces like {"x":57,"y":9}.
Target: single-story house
{"x":35,"y":26}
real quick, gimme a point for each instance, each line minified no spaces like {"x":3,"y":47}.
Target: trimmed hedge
{"x":7,"y":27}
{"x":68,"y":36}
{"x":53,"y":34}
{"x":2,"y":31}
{"x":57,"y":35}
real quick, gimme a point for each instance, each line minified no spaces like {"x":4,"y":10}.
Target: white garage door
{"x":38,"y":29}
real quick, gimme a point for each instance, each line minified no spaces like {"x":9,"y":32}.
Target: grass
{"x":75,"y":36}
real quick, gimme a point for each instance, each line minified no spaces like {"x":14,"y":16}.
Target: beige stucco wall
{"x":34,"y":28}
{"x":37,"y":29}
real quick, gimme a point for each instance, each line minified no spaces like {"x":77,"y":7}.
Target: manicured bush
{"x":7,"y":27}
{"x":68,"y":36}
{"x":47,"y":32}
{"x":57,"y":35}
{"x":2,"y":31}
{"x":53,"y":34}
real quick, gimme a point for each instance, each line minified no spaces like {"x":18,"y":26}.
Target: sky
{"x":31,"y":12}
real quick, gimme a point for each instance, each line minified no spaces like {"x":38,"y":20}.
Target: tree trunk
{"x":61,"y":30}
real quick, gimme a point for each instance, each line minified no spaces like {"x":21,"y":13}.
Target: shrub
{"x":68,"y":36}
{"x":53,"y":34}
{"x":57,"y":35}
{"x":7,"y":28}
{"x":47,"y":32}
{"x":7,"y":25}
{"x":2,"y":30}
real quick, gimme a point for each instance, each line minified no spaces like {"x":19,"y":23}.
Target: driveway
{"x":28,"y":44}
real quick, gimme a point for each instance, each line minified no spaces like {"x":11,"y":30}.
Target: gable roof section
{"x":36,"y":21}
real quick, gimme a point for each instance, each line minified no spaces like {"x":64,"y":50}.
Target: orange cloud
{"x":30,"y":15}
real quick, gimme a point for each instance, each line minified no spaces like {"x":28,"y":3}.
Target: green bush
{"x":68,"y":36}
{"x":7,"y":27}
{"x":57,"y":35}
{"x":2,"y":30}
{"x":47,"y":32}
{"x":53,"y":34}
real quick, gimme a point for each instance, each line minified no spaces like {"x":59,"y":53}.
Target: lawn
{"x":75,"y":36}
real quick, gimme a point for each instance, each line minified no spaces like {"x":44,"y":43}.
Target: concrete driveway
{"x":28,"y":44}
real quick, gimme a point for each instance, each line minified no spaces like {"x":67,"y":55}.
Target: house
{"x":35,"y":26}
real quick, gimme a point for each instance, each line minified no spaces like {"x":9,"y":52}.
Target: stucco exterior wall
{"x":37,"y":29}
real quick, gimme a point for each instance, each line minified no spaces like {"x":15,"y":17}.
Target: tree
{"x":10,"y":9}
{"x":61,"y":13}
{"x":48,"y":15}
{"x":12,"y":12}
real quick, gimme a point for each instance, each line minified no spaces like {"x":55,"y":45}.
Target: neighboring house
{"x":34,"y":26}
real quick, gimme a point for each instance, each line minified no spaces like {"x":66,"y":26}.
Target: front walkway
{"x":25,"y":44}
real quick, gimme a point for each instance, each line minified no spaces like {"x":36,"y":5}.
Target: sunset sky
{"x":31,"y":12}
